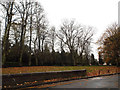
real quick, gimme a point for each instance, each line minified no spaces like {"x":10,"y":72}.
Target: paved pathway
{"x":97,"y":82}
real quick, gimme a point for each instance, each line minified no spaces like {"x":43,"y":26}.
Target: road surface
{"x":97,"y":82}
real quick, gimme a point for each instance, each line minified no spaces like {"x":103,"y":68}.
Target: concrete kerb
{"x":73,"y":79}
{"x":69,"y":79}
{"x":99,"y":75}
{"x":82,"y":78}
{"x":85,"y":77}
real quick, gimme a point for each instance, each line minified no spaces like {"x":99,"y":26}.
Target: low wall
{"x":27,"y":79}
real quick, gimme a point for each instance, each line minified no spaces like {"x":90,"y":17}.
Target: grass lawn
{"x":90,"y":69}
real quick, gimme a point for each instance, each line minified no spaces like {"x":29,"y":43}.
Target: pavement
{"x":96,"y":82}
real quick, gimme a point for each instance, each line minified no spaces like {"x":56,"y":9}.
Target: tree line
{"x":28,"y":39}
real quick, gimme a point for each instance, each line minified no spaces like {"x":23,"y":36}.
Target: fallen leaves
{"x":91,"y":71}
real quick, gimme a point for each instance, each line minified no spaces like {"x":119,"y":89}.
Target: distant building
{"x":105,"y":64}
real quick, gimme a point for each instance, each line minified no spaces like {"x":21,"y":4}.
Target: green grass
{"x":14,"y":70}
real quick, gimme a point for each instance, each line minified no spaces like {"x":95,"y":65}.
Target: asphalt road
{"x":97,"y":82}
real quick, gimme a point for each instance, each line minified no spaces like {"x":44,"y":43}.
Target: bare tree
{"x":84,"y":41}
{"x":40,"y":24}
{"x":15,"y":32}
{"x":43,"y":36}
{"x":23,"y":9}
{"x":35,"y":51}
{"x":68,"y":35}
{"x":8,"y":8}
{"x":32,"y":22}
{"x":37,"y":29}
{"x":52,"y":37}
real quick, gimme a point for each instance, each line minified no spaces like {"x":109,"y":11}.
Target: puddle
{"x":97,"y":78}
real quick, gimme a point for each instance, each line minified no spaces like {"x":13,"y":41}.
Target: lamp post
{"x":119,"y":13}
{"x":0,"y":47}
{"x":0,"y":58}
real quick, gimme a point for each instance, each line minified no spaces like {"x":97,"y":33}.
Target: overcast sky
{"x":97,"y":13}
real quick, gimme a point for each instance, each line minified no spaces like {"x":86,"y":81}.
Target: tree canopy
{"x":109,"y":49}
{"x":28,"y":39}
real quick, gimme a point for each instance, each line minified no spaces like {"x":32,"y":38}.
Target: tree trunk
{"x":30,"y":37}
{"x":7,"y":30}
{"x":72,"y":58}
